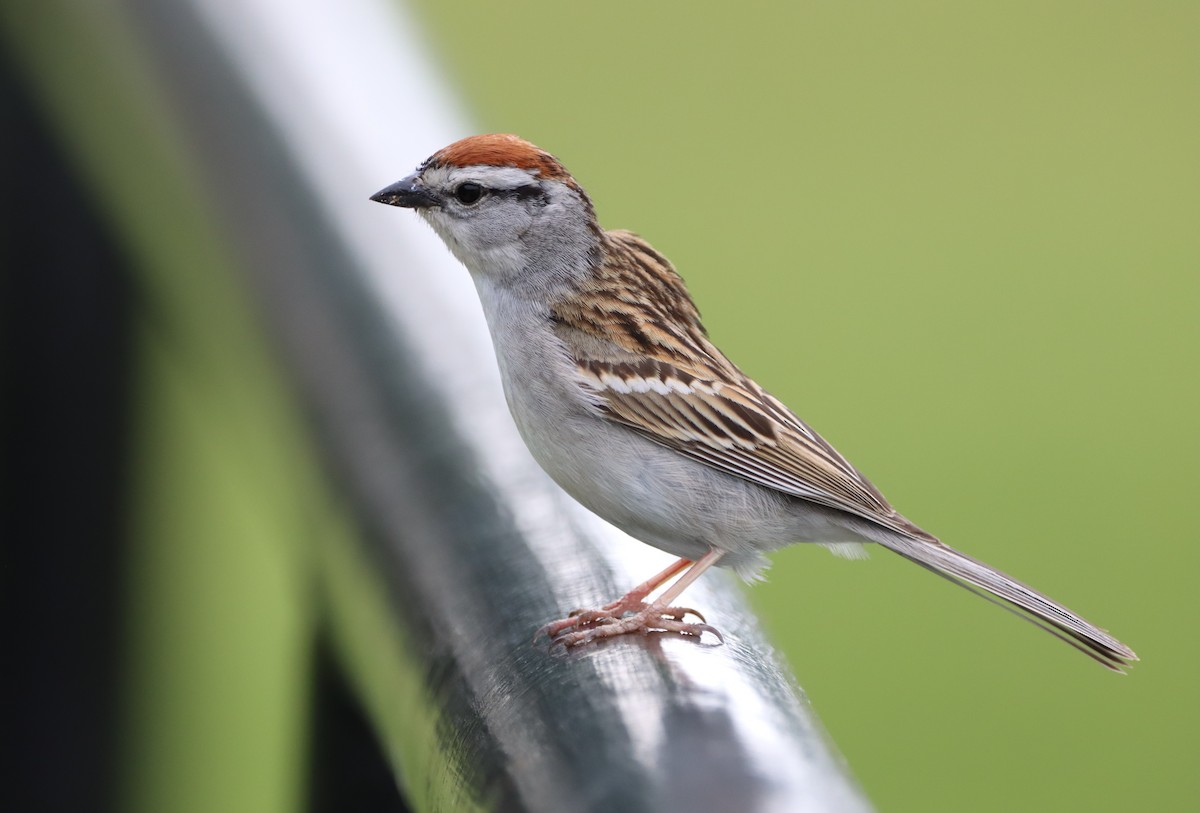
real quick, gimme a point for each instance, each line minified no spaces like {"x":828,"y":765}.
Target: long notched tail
{"x":1015,"y":597}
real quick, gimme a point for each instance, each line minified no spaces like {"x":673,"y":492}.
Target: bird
{"x":623,"y":399}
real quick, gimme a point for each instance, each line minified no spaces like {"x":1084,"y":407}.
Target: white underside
{"x":651,"y":492}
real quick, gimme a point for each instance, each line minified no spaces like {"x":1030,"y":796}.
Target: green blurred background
{"x":963,"y":241}
{"x":960,"y":239}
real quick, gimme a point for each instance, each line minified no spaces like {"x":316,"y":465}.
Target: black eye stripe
{"x":528,"y":191}
{"x":470,"y":192}
{"x":531,"y":191}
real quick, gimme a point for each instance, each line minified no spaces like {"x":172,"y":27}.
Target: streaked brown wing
{"x":737,"y":428}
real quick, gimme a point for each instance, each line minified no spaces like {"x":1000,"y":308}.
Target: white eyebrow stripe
{"x":492,"y":177}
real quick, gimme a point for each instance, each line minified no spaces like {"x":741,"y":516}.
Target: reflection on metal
{"x":297,"y":112}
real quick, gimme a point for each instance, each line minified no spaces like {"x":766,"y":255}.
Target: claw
{"x":555,"y":628}
{"x":697,"y":630}
{"x":680,"y":613}
{"x":576,"y":620}
{"x":589,"y":618}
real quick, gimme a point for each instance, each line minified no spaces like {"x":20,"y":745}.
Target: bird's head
{"x":506,"y":208}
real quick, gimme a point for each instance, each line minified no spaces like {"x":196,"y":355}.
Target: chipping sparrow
{"x":624,"y":401}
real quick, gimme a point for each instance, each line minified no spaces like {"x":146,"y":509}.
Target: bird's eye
{"x":468,"y":193}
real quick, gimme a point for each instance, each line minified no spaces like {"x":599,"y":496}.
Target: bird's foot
{"x":622,"y":618}
{"x":613,"y":611}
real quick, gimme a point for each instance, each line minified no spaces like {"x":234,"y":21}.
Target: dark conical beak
{"x":407,"y":193}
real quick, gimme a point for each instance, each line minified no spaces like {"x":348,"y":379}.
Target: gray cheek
{"x":523,"y":224}
{"x":489,"y":229}
{"x":508,"y":224}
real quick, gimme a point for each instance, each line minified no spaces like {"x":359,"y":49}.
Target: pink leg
{"x":592,"y":625}
{"x":674,"y":591}
{"x":638,"y":594}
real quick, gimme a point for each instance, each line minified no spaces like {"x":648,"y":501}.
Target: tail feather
{"x":1015,"y":597}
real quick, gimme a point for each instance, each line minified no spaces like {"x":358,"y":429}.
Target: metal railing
{"x":453,"y":547}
